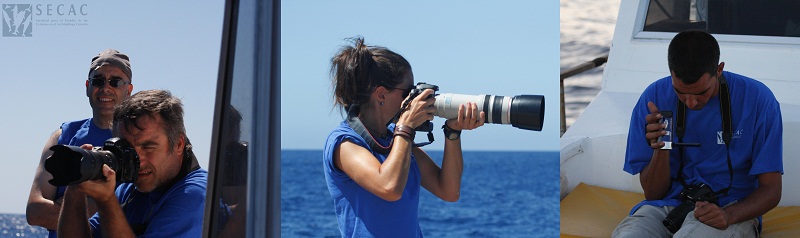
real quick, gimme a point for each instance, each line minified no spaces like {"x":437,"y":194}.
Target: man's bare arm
{"x":42,"y":209}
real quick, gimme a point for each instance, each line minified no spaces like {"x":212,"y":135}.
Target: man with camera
{"x":109,"y":83}
{"x":168,"y":195}
{"x":723,"y":170}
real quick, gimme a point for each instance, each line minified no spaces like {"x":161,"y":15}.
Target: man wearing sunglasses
{"x":108,"y":85}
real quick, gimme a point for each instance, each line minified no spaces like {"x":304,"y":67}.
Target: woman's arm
{"x":445,"y":182}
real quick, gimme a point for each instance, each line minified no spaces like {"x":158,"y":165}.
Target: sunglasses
{"x":113,"y":82}
{"x":406,"y":91}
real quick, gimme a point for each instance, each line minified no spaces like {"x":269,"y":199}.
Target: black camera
{"x":689,"y":195}
{"x":521,"y":111}
{"x":73,"y":165}
{"x":426,"y":126}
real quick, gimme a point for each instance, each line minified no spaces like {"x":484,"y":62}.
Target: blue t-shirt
{"x":77,"y":133}
{"x":361,"y":213}
{"x":176,"y":212}
{"x":756,"y":147}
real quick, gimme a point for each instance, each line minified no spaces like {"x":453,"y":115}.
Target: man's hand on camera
{"x":654,"y":128}
{"x":101,"y":190}
{"x":711,"y":214}
{"x":468,"y":118}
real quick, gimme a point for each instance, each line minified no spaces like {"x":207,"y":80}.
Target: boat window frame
{"x":250,"y":57}
{"x":640,"y":34}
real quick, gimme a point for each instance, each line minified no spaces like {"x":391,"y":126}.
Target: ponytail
{"x":358,"y":69}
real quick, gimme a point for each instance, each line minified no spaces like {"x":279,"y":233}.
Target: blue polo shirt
{"x":756,"y":147}
{"x":176,"y":212}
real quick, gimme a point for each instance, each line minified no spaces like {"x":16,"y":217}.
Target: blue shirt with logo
{"x":756,"y":147}
{"x":361,"y":213}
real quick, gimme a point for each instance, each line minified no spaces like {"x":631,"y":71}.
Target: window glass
{"x":246,"y":182}
{"x":735,"y":17}
{"x":235,"y":137}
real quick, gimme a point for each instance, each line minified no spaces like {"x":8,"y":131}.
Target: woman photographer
{"x":374,"y":177}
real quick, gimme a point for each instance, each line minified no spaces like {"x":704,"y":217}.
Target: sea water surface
{"x":503,"y":194}
{"x":15,"y":225}
{"x":587,"y":27}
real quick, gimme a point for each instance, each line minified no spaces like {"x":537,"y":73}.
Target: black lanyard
{"x":727,"y":130}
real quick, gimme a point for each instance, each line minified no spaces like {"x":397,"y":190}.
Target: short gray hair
{"x":152,"y":102}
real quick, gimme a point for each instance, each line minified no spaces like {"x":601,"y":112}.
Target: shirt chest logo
{"x":736,"y":135}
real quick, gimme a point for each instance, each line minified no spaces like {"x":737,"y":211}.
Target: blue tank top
{"x":78,"y":133}
{"x":361,"y":213}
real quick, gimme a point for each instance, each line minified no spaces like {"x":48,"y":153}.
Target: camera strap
{"x":358,"y":127}
{"x":727,"y":130}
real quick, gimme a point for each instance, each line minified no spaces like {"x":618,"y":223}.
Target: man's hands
{"x":655,"y":177}
{"x":711,"y":214}
{"x":654,"y":128}
{"x":101,"y":190}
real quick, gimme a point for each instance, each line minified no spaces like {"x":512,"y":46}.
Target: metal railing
{"x":572,"y":72}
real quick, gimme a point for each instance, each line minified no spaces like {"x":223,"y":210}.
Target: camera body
{"x":689,"y":195}
{"x":426,"y":126}
{"x":73,"y":165}
{"x":421,"y":86}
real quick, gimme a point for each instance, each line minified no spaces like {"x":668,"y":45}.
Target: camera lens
{"x":675,"y":218}
{"x":72,"y":165}
{"x":521,"y":111}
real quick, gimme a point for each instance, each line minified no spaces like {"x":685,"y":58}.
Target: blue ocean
{"x":15,"y":225}
{"x":503,"y":194}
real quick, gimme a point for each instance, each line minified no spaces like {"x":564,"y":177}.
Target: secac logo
{"x":17,"y":20}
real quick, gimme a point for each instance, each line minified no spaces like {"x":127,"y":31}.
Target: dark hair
{"x":150,"y":103}
{"x":358,"y":69}
{"x":691,"y":54}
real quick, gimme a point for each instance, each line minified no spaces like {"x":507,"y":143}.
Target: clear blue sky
{"x":173,"y":45}
{"x":477,"y":47}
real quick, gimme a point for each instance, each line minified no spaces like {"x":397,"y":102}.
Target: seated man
{"x":168,"y":197}
{"x":724,"y":169}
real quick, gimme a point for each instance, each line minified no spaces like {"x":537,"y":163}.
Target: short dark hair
{"x":357,"y":70}
{"x":151,"y":103}
{"x":691,"y":54}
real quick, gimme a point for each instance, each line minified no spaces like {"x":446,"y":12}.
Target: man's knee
{"x":645,"y":222}
{"x":694,"y":228}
